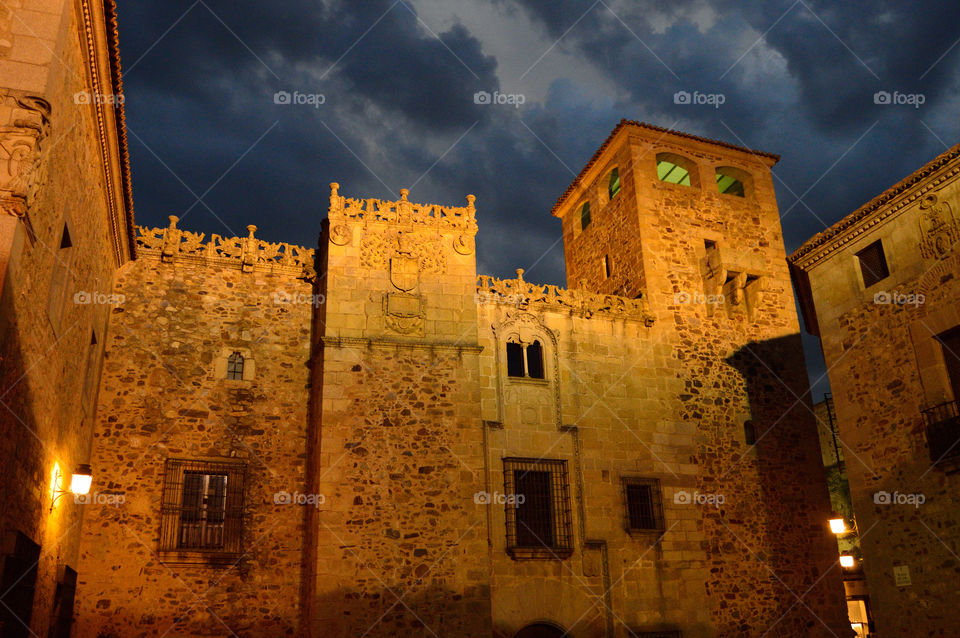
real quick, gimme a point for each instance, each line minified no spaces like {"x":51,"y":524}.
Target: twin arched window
{"x":525,"y":360}
{"x":676,"y":169}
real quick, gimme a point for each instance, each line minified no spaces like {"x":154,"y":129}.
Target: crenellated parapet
{"x":401,"y":212}
{"x":524,"y":294}
{"x":249,"y":253}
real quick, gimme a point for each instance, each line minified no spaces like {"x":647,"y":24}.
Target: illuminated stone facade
{"x":885,"y":328}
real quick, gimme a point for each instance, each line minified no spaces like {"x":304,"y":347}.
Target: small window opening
{"x":873,"y":264}
{"x":584,"y":215}
{"x":614,"y":185}
{"x":749,"y":433}
{"x":535,"y":360}
{"x":727,"y":184}
{"x":606,"y":266}
{"x":235,"y":366}
{"x":672,"y":173}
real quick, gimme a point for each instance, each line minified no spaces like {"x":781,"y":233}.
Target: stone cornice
{"x":401,"y":212}
{"x":366,"y":342}
{"x":248,"y":253}
{"x":523,"y":294}
{"x":101,"y":37}
{"x":892,"y":201}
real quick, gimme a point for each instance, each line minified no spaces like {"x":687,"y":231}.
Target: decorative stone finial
{"x":470,"y":200}
{"x":403,"y":193}
{"x":173,"y":221}
{"x":333,"y":189}
{"x":519,"y":274}
{"x":251,"y":229}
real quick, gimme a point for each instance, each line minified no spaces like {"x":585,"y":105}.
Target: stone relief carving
{"x":464,"y":244}
{"x":248,"y":252}
{"x":939,"y":231}
{"x":402,"y":211}
{"x":376,"y":249}
{"x":340,"y":235}
{"x":6,"y":26}
{"x":22,"y":153}
{"x":523,"y":294}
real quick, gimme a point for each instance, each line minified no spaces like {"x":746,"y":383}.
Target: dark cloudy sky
{"x":209,"y":144}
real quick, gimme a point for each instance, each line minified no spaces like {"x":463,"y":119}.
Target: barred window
{"x":202,"y":509}
{"x":538,"y":518}
{"x":643,"y":505}
{"x":873,"y":264}
{"x":235,"y":366}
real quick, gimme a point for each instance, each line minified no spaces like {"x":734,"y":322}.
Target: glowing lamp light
{"x":837,"y":524}
{"x":847,"y":561}
{"x":81,"y":480}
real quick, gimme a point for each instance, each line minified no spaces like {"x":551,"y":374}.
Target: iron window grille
{"x":643,"y":505}
{"x":235,"y":366}
{"x":873,"y":264}
{"x":202,"y":507}
{"x":525,"y":360}
{"x":538,"y":518}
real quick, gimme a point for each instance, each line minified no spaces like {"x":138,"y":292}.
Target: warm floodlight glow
{"x":847,"y":561}
{"x":838,"y":525}
{"x":81,"y":480}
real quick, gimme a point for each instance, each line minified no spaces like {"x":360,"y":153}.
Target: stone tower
{"x":691,"y":226}
{"x":396,"y":396}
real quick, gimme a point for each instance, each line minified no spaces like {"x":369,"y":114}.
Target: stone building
{"x":880,"y":290}
{"x":66,"y":226}
{"x":370,"y":439}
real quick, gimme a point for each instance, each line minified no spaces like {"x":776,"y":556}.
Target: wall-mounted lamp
{"x":837,"y":524}
{"x":847,"y":561}
{"x":80,"y":482}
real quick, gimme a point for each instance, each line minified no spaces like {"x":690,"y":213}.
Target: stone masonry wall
{"x":48,"y":360}
{"x":886,"y":367}
{"x":163,"y":396}
{"x":401,"y":547}
{"x":717,"y":283}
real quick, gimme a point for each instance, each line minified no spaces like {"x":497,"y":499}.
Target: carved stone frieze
{"x":22,"y":152}
{"x":939,"y":230}
{"x":377,"y":248}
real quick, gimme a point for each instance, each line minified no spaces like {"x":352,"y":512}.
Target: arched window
{"x":584,"y":215}
{"x":614,"y":184}
{"x":675,"y":169}
{"x":525,"y":360}
{"x":235,"y":366}
{"x":731,"y":181}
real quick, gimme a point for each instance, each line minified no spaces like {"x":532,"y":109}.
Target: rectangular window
{"x":538,"y":518}
{"x":202,"y":509}
{"x":643,"y":506}
{"x":515,"y":366}
{"x":873,"y":264}
{"x":584,"y":215}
